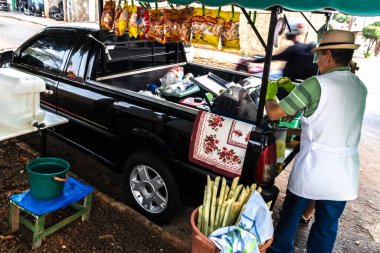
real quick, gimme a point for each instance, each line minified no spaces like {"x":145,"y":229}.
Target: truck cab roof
{"x":82,"y":25}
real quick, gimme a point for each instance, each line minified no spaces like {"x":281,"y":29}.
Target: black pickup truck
{"x":143,"y":138}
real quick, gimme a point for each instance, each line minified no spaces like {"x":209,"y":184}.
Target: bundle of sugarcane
{"x":223,"y":209}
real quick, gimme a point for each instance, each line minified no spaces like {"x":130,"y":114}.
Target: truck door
{"x":86,"y":107}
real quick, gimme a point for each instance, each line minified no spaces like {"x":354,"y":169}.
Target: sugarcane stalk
{"x":213,"y":203}
{"x":203,"y":210}
{"x":234,"y":184}
{"x":238,"y":205}
{"x":236,"y":211}
{"x":247,"y":190}
{"x":248,"y":196}
{"x":269,"y":204}
{"x":242,"y":196}
{"x":222,"y":212}
{"x":205,"y":195}
{"x":237,"y":192}
{"x":207,"y":206}
{"x":227,"y":213}
{"x":241,"y":211}
{"x":199,"y":220}
{"x":220,"y":203}
{"x":226,"y":193}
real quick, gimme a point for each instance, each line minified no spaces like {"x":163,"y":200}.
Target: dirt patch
{"x":112,"y":227}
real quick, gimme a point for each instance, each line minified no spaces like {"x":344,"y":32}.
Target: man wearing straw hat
{"x":327,"y":166}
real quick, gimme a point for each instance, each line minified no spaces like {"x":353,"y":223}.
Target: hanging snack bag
{"x":184,"y":23}
{"x":171,"y":25}
{"x":206,"y":27}
{"x":143,"y":23}
{"x":157,"y":28}
{"x":196,"y":26}
{"x":177,"y":24}
{"x":132,"y":21}
{"x":121,"y":20}
{"x":108,"y":13}
{"x":230,"y":35}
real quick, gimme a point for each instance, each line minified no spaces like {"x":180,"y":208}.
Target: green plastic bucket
{"x":47,"y":177}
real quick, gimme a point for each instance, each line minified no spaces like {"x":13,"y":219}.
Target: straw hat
{"x":337,"y":39}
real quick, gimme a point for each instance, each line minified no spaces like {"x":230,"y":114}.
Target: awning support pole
{"x":311,"y":25}
{"x":254,"y":27}
{"x":267,"y":62}
{"x":101,"y":33}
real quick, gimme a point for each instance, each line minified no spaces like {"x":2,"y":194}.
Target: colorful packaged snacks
{"x":177,"y":24}
{"x":184,"y":22}
{"x":108,"y":13}
{"x":132,"y":21}
{"x":143,"y":23}
{"x":157,"y":27}
{"x":121,"y":19}
{"x":230,"y":35}
{"x":206,"y":27}
{"x":171,"y":25}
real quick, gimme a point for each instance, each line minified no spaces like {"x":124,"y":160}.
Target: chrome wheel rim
{"x":148,"y":188}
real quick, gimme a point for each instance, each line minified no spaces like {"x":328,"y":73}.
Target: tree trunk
{"x":377,"y":48}
{"x":371,"y":42}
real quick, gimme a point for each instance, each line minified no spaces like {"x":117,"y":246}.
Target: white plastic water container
{"x":20,"y":98}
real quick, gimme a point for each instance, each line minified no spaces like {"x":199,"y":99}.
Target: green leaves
{"x":371,"y":32}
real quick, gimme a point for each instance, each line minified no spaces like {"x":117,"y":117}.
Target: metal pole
{"x":101,"y":34}
{"x":267,"y":62}
{"x":43,"y":142}
{"x":308,"y":21}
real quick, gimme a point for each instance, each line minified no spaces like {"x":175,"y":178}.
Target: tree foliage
{"x":372,"y":33}
{"x":341,"y":18}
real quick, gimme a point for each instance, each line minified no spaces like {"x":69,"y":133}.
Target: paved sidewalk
{"x":30,"y":18}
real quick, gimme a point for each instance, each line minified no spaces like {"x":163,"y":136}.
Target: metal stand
{"x":43,"y":142}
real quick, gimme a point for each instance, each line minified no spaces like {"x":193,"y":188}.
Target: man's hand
{"x":271,"y":91}
{"x":274,"y":111}
{"x":286,"y":83}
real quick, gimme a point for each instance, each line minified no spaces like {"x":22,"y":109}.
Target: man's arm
{"x":306,"y":95}
{"x":283,"y":56}
{"x":274,"y":111}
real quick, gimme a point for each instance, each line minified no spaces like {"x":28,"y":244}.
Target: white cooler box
{"x":20,"y":98}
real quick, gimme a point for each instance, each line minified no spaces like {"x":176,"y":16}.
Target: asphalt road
{"x":14,"y":32}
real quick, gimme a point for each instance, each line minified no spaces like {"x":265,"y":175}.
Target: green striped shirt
{"x":305,"y":97}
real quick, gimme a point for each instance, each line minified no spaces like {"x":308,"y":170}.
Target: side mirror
{"x":6,"y":57}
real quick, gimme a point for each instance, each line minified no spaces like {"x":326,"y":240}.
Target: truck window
{"x":46,"y":53}
{"x":74,"y":70}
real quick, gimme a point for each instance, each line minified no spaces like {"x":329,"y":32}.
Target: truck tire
{"x":150,"y":187}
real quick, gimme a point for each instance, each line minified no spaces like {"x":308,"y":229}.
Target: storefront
{"x":67,"y":10}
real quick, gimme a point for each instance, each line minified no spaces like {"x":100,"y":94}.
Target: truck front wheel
{"x":150,"y":187}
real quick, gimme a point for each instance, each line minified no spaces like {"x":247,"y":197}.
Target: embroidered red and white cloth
{"x":219,"y":143}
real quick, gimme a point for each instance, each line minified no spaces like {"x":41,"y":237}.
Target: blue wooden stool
{"x":73,"y":192}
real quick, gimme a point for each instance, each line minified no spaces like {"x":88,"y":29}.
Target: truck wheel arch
{"x":142,"y":139}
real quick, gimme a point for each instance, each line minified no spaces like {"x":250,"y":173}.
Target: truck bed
{"x":137,"y":80}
